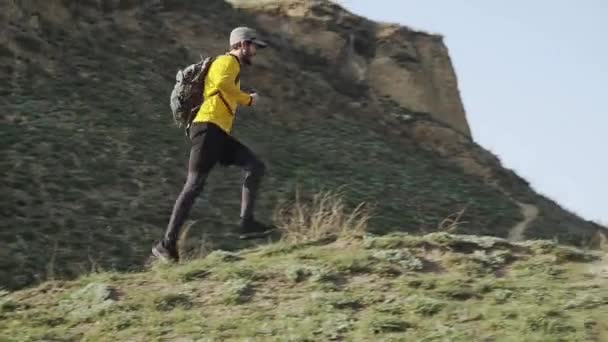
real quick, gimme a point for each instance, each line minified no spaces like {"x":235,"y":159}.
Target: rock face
{"x":411,"y":68}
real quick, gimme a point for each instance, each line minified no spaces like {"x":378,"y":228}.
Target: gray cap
{"x":245,"y":33}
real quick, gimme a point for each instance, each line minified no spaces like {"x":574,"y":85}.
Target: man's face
{"x":249,"y":50}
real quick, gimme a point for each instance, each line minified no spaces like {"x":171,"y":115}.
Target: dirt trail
{"x":530,"y":213}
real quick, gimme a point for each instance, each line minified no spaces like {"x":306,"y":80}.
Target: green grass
{"x":254,"y":295}
{"x":93,"y":163}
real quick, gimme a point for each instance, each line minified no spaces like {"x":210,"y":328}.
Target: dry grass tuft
{"x":325,"y":216}
{"x":451,"y":223}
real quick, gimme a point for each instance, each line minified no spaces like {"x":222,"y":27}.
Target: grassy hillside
{"x":93,"y":163}
{"x":399,"y":287}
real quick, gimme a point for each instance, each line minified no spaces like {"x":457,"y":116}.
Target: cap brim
{"x":260,"y":43}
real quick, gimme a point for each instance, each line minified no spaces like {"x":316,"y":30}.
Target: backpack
{"x":187,"y":95}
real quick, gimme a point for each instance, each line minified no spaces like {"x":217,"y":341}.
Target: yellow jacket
{"x":222,"y":93}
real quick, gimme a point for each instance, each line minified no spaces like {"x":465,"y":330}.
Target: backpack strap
{"x":203,"y":73}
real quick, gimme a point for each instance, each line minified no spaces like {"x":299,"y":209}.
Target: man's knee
{"x":257,"y":168}
{"x":254,"y":174}
{"x":260,"y":167}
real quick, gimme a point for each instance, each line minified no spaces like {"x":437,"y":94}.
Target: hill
{"x":92,"y":162}
{"x":398,"y":287}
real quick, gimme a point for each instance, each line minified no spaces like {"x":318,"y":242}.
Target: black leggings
{"x":211,"y":145}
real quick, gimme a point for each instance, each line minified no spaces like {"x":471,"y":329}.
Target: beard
{"x":246,"y":57}
{"x":246,"y":60}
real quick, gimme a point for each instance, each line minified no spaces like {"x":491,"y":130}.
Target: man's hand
{"x":254,"y":98}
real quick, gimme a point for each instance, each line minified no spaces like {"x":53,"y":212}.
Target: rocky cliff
{"x":411,"y":68}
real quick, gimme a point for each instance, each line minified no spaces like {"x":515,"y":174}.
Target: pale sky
{"x":533,"y":76}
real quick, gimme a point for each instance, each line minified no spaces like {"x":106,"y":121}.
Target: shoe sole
{"x":256,"y":235}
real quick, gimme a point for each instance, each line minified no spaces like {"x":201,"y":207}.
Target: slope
{"x":92,"y":162}
{"x":401,"y":287}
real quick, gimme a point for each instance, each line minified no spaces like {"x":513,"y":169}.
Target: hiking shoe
{"x":168,"y":255}
{"x":252,"y":229}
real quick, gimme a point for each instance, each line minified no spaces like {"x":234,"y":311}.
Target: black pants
{"x":211,"y":145}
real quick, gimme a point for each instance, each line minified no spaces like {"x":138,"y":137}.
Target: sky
{"x":533,"y":76}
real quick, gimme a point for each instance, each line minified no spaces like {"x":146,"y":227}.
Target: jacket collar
{"x":235,"y":57}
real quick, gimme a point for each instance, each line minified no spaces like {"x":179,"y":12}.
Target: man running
{"x":211,"y":142}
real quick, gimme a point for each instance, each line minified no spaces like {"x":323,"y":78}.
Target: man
{"x":211,"y":142}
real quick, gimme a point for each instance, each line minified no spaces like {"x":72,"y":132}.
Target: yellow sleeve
{"x":225,"y":71}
